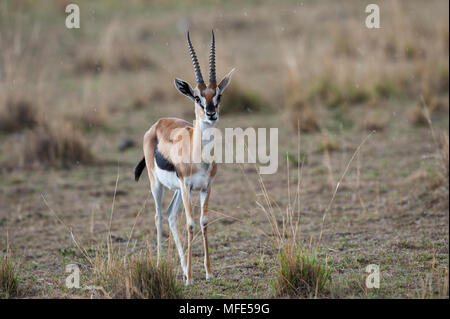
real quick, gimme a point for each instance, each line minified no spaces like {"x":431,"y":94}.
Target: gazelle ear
{"x":184,"y":88}
{"x":225,"y":81}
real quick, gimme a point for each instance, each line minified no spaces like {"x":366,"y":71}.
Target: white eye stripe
{"x":216,"y":98}
{"x":203,"y":100}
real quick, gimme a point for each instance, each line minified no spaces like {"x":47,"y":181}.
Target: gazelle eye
{"x":218,"y":98}
{"x":197,"y":99}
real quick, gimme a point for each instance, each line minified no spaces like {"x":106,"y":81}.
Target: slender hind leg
{"x":172,"y":213}
{"x":186,"y":195}
{"x":204,"y":198}
{"x":157,"y":191}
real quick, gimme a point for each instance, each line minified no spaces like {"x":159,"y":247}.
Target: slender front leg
{"x":157,"y":191}
{"x":204,"y":199}
{"x":186,"y":195}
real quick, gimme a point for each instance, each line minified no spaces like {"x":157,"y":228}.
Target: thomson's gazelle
{"x":187,"y":175}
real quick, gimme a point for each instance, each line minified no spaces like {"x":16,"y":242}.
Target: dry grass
{"x":148,"y":97}
{"x":327,"y":143}
{"x":299,"y":109}
{"x":435,"y":101}
{"x":9,"y":282}
{"x":435,"y":284}
{"x":122,"y":272}
{"x":386,"y":88}
{"x":238,"y":99}
{"x":55,"y":144}
{"x":374,"y":121}
{"x":301,"y":272}
{"x":435,"y":178}
{"x":148,"y":279}
{"x":135,"y":276}
{"x":327,"y":92}
{"x":301,"y":114}
{"x":444,"y":159}
{"x":375,"y":67}
{"x":417,"y":117}
{"x":118,"y":59}
{"x":332,"y":93}
{"x":430,"y":103}
{"x":87,"y":118}
{"x":442,"y":144}
{"x":113,"y":53}
{"x":17,"y":115}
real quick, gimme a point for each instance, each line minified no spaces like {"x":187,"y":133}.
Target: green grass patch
{"x":301,"y":273}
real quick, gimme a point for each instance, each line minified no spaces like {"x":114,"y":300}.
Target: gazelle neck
{"x":199,"y":141}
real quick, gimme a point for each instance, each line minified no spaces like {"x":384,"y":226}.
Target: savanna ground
{"x":68,"y":98}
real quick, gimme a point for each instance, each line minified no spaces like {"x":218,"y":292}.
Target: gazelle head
{"x":206,"y":97}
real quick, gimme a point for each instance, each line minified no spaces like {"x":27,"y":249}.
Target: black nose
{"x":211,"y":115}
{"x":210,"y":111}
{"x":210,"y":108}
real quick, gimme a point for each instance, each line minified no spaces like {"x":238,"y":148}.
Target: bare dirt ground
{"x":390,"y":208}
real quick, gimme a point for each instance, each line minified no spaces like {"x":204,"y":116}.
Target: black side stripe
{"x":162,"y":162}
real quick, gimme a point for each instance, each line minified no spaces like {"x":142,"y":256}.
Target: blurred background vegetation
{"x":305,"y":60}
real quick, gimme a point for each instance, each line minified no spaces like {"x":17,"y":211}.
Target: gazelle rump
{"x":165,"y":170}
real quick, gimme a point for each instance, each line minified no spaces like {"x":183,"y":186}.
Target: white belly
{"x":199,"y":180}
{"x":168,"y":179}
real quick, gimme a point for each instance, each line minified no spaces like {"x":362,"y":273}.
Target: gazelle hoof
{"x":189,"y":282}
{"x":209,"y":277}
